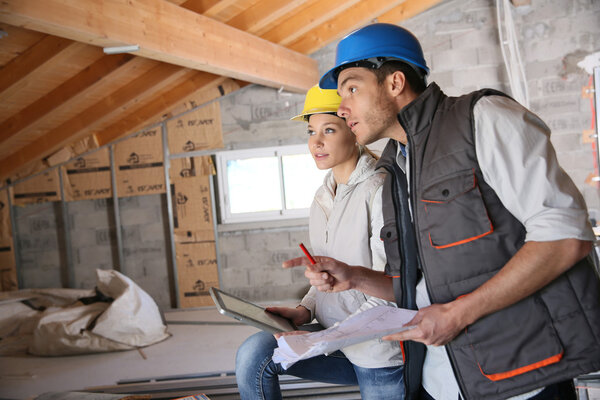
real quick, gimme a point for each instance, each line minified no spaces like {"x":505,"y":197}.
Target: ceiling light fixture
{"x":121,"y":49}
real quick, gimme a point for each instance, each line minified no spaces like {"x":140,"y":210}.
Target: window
{"x":266,"y":183}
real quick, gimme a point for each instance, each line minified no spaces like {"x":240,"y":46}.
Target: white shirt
{"x":517,"y":161}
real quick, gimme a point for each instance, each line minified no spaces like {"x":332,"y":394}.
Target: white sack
{"x":131,"y":320}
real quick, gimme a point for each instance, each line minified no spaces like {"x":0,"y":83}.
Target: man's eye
{"x":352,"y":90}
{"x":310,"y":132}
{"x":329,"y":130}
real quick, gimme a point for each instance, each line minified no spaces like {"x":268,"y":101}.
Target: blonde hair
{"x":364,"y":149}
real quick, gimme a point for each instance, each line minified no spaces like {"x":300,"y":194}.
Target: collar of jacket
{"x":365,"y":167}
{"x":415,"y":117}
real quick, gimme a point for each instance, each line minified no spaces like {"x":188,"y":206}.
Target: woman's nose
{"x":316,"y":141}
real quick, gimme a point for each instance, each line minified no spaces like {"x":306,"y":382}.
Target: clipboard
{"x":250,"y":313}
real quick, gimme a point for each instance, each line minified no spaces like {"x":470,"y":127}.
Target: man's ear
{"x":396,"y":82}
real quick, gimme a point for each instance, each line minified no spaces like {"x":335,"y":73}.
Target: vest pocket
{"x":454,"y":211}
{"x":389,"y":236}
{"x":514,"y":341}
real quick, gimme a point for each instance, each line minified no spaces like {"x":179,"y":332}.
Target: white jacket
{"x":345,"y":224}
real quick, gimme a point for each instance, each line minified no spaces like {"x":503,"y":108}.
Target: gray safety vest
{"x":463,"y":236}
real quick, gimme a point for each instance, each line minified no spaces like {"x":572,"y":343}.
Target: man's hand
{"x":331,"y":275}
{"x":327,"y":275}
{"x":435,"y":325}
{"x":535,"y":265}
{"x":299,"y":315}
{"x":292,"y":333}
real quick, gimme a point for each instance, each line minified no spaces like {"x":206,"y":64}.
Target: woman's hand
{"x":299,"y":315}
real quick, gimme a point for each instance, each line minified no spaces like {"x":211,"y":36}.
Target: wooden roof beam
{"x":167,"y":32}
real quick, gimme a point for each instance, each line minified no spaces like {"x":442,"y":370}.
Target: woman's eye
{"x":329,"y":130}
{"x":310,"y":133}
{"x":352,"y":90}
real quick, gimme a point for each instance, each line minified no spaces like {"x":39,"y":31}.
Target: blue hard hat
{"x":375,"y":43}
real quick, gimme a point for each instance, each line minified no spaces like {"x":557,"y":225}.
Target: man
{"x":484,"y":233}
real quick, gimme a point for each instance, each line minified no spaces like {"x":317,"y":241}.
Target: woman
{"x":345,"y":221}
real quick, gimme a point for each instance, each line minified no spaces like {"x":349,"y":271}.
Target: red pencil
{"x":312,"y":260}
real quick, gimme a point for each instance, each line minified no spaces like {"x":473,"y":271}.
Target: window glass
{"x":266,"y":183}
{"x":301,"y":179}
{"x":254,"y":185}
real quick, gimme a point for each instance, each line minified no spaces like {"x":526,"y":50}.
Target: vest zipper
{"x":412,"y":199}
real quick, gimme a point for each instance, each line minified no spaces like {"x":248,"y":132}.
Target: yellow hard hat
{"x":319,"y":101}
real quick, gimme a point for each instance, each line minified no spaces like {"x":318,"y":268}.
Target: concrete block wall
{"x":460,"y":40}
{"x":250,"y":263}
{"x":41,"y":252}
{"x":147,"y":260}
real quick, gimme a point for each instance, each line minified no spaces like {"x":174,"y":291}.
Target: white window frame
{"x":221,"y":160}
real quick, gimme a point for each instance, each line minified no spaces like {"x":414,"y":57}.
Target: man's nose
{"x":343,"y":111}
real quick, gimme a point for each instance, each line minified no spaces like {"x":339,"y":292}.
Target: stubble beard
{"x":380,"y":118}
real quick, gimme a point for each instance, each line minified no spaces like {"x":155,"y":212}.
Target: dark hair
{"x":415,"y":79}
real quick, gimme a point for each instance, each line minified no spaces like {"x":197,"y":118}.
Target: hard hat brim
{"x":329,"y":79}
{"x":304,"y":116}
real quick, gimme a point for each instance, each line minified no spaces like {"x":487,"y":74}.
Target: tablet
{"x":250,"y":313}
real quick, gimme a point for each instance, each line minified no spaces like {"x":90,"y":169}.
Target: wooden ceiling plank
{"x":54,"y":99}
{"x":407,"y":10}
{"x":263,"y":13}
{"x":358,"y":15}
{"x":157,"y":106}
{"x":306,"y":18}
{"x":33,"y":58}
{"x":73,"y":128}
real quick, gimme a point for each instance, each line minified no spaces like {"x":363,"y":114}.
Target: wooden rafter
{"x":191,"y":83}
{"x":261,"y":14}
{"x":169,"y":33}
{"x":313,"y":14}
{"x":76,"y":126}
{"x":354,"y":17}
{"x":69,"y":89}
{"x":407,"y":10}
{"x":43,"y":51}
